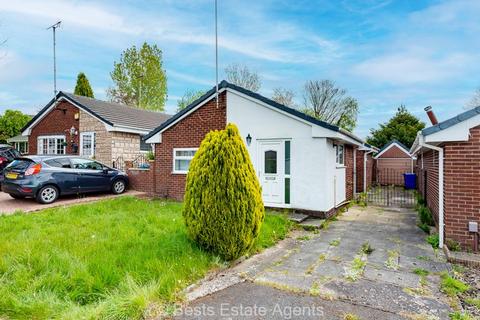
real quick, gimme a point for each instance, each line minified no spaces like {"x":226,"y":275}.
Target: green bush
{"x":424,"y":227}
{"x":453,"y":245}
{"x":434,"y":240}
{"x":223,"y":202}
{"x":425,"y":216}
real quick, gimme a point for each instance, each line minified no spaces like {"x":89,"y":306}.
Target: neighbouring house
{"x":109,"y":132}
{"x":448,"y":169}
{"x":302,"y":163}
{"x":392,"y":161}
{"x":20,"y":143}
{"x":365,"y":167}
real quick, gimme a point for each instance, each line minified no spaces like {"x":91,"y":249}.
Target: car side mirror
{"x":105,"y":170}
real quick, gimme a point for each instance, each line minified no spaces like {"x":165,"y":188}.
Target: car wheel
{"x":119,"y":186}
{"x":16,"y":196}
{"x":47,"y":194}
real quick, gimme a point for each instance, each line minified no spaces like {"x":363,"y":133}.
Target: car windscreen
{"x":19,"y":164}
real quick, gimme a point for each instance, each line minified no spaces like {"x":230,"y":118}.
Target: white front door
{"x":271,"y":165}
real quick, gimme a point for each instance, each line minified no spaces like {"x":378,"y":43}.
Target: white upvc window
{"x":87,"y":144}
{"x":51,"y":144}
{"x":182,"y":158}
{"x":340,"y":154}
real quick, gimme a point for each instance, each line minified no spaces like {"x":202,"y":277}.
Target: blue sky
{"x":384,"y":53}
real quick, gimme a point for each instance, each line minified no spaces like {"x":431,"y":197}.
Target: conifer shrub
{"x":223,"y":202}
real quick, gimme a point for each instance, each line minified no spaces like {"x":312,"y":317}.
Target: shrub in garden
{"x":223,"y":202}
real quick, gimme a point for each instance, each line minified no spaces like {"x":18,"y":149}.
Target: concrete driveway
{"x":328,"y":276}
{"x":8,"y":205}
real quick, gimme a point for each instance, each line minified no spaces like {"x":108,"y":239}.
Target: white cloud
{"x":75,"y":13}
{"x":413,"y":67}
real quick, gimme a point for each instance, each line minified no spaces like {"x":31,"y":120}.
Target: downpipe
{"x":441,"y":222}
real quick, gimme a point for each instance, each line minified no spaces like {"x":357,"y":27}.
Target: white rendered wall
{"x":312,"y":159}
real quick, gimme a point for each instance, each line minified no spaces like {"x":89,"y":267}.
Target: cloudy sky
{"x":385,"y":53}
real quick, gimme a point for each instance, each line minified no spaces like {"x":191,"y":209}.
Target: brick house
{"x":109,"y":132}
{"x":365,"y":167}
{"x":392,"y":161}
{"x":448,"y":169}
{"x":302,"y":163}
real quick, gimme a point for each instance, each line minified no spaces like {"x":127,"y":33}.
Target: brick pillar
{"x":153,"y":176}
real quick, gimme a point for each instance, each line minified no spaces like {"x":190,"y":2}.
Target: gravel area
{"x":471,"y":277}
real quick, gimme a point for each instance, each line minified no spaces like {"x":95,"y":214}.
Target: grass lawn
{"x":112,"y":259}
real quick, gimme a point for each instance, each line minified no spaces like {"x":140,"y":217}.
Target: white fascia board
{"x":457,"y":132}
{"x":346,"y":139}
{"x":28,"y":130}
{"x":156,"y":138}
{"x":192,"y":110}
{"x":110,"y":128}
{"x":390,"y":146}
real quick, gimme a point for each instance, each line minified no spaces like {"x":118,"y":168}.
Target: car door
{"x":91,"y":176}
{"x":63,"y":175}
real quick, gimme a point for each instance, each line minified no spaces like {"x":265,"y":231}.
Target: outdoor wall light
{"x":249,"y":139}
{"x":73,"y":131}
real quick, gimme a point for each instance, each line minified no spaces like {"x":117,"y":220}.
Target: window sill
{"x":341,"y":166}
{"x":179,"y":172}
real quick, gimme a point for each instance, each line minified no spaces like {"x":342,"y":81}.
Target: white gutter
{"x":365,"y":170}
{"x":441,"y":222}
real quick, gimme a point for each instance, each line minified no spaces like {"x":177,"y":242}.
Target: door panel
{"x":271,"y":172}
{"x":91,"y":177}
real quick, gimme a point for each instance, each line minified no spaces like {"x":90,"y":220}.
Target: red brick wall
{"x":428,"y":180}
{"x":394,"y":152}
{"x":349,"y":150}
{"x":187,"y":133}
{"x":142,"y":179}
{"x":56,"y":122}
{"x":360,"y":168}
{"x":462,"y":187}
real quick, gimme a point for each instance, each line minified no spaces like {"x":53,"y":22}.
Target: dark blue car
{"x":45,"y":178}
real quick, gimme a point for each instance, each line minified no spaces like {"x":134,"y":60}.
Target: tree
{"x":403,"y":126}
{"x":223,"y":202}
{"x":11,"y":124}
{"x":284,"y":96}
{"x":475,"y":101}
{"x":188,"y":97}
{"x":243,"y":77}
{"x":83,"y":87}
{"x":139,"y":78}
{"x":327,"y":102}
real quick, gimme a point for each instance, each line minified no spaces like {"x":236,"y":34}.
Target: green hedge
{"x":223,"y":202}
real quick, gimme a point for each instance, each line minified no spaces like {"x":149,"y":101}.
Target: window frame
{"x":82,"y":135}
{"x":342,"y":163}
{"x":175,"y":157}
{"x":40,"y":146}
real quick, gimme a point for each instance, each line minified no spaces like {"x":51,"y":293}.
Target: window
{"x":87,"y":144}
{"x":22,"y":147}
{"x":51,"y":145}
{"x":182,"y":159}
{"x":59,"y":163}
{"x":340,"y":151}
{"x":86,"y":164}
{"x":271,"y":162}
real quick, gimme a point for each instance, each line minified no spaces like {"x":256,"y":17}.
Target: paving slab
{"x":384,"y":284}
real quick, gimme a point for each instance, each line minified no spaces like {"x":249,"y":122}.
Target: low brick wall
{"x":141,"y":179}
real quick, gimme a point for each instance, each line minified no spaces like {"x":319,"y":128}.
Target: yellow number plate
{"x":11,"y":176}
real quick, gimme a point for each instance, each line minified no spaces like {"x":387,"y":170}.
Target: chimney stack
{"x":431,"y":115}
